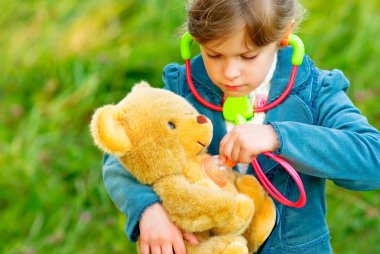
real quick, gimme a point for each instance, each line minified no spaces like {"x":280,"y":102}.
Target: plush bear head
{"x":151,"y":129}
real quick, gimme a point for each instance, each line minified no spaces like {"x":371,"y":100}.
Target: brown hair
{"x":265,"y":21}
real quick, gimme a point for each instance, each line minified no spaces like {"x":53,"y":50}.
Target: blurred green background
{"x":59,"y":60}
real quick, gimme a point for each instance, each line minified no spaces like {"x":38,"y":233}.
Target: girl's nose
{"x":231,"y":70}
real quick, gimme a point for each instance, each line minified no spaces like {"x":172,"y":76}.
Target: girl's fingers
{"x":245,"y":156}
{"x":191,"y":238}
{"x":235,"y":152}
{"x":144,"y":248}
{"x":222,"y":159}
{"x":232,"y":150}
{"x":179,"y":247}
{"x":167,"y":249}
{"x":227,"y":147}
{"x":156,"y":249}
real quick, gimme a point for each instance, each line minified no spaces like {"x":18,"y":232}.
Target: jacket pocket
{"x":320,"y":245}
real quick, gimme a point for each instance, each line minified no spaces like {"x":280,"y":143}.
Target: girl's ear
{"x":287,"y":32}
{"x":108,"y":131}
{"x":289,"y":28}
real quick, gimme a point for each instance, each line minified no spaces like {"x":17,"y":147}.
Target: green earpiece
{"x":298,"y":49}
{"x":186,"y":42}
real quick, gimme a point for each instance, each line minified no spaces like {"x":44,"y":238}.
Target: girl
{"x":317,"y":128}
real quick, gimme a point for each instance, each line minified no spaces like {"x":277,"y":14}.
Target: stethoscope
{"x":240,"y":109}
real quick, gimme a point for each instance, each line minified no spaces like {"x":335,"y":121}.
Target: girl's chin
{"x":236,"y":93}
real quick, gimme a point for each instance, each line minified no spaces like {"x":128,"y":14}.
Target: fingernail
{"x":222,"y":159}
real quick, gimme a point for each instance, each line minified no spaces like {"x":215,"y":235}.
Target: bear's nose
{"x":201,"y":119}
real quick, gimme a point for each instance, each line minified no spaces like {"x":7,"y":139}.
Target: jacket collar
{"x":279,"y":81}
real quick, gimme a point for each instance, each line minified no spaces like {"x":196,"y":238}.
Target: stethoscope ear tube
{"x":195,"y":92}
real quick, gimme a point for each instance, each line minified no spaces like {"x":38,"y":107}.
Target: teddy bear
{"x":162,"y":140}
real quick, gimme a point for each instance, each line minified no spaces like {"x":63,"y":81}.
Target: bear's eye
{"x":171,"y":125}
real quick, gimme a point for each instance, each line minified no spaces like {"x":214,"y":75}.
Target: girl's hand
{"x":159,"y":235}
{"x":246,"y":141}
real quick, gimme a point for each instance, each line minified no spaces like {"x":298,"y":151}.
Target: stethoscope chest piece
{"x":237,"y":109}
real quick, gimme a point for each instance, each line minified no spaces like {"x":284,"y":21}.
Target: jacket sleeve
{"x":129,"y":196}
{"x":342,"y":146}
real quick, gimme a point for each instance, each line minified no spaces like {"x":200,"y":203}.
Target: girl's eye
{"x":213,"y":56}
{"x":249,"y":57}
{"x":171,"y":125}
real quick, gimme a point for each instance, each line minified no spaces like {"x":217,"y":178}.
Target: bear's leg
{"x":240,"y":220}
{"x":264,"y":218}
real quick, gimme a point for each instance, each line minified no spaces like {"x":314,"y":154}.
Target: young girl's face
{"x":235,"y":67}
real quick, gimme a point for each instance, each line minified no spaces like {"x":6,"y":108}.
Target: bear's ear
{"x":142,"y":84}
{"x":108,"y":131}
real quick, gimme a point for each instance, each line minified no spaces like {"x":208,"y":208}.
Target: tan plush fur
{"x":161,"y":140}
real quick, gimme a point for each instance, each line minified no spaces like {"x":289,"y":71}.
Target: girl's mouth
{"x":233,"y":88}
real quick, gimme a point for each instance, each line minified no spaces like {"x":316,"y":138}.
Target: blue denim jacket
{"x":321,"y":133}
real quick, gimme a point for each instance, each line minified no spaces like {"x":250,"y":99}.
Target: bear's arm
{"x":193,"y":207}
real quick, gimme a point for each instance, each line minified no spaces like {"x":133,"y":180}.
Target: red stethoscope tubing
{"x":269,"y":187}
{"x":271,"y":105}
{"x":272,"y":190}
{"x":195,"y":92}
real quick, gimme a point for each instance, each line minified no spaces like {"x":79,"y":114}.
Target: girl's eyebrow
{"x":249,"y":51}
{"x":211,"y":50}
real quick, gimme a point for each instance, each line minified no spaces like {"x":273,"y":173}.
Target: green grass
{"x":61,"y":59}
